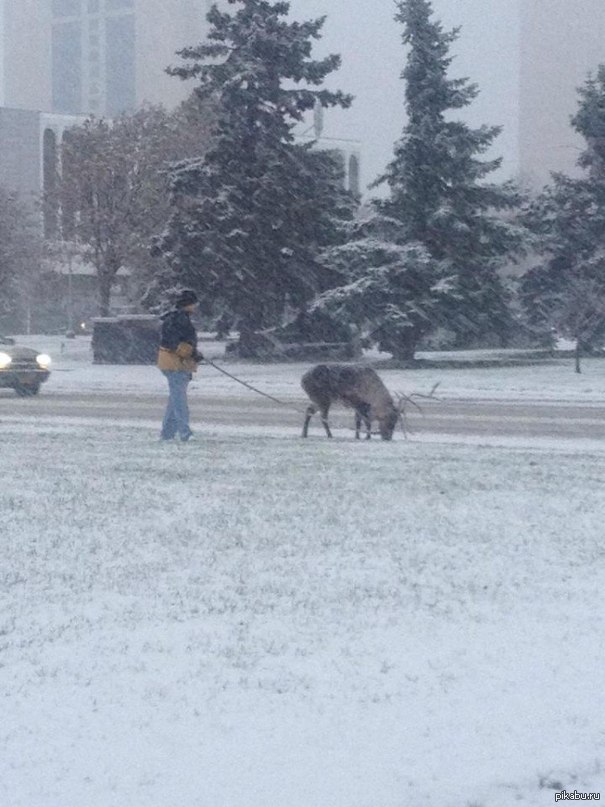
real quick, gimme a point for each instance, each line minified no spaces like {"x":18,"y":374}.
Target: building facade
{"x":104,"y":56}
{"x":28,"y":157}
{"x":95,"y":56}
{"x":72,"y":58}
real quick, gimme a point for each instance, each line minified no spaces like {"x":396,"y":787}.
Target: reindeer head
{"x":387,"y":423}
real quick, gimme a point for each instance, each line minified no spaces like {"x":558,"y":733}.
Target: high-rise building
{"x":102,"y":56}
{"x":2,"y":37}
{"x":96,"y":56}
{"x":78,"y":57}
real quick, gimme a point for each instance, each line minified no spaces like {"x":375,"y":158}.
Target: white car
{"x":22,"y":368}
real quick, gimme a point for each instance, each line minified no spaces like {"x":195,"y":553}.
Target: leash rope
{"x":249,"y":386}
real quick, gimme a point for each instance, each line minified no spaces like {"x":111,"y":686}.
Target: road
{"x":472,"y":418}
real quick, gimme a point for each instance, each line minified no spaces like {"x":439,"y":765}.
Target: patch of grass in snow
{"x":453,"y":586}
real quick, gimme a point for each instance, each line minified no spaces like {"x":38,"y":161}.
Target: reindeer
{"x":356,"y":386}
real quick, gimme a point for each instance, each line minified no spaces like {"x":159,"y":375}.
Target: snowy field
{"x":556,"y":381}
{"x":254,"y":621}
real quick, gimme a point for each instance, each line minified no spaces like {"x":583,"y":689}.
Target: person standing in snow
{"x":178,"y":358}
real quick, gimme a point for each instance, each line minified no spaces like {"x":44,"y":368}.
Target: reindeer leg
{"x":324,"y":420}
{"x":311,"y":410}
{"x":363,"y":413}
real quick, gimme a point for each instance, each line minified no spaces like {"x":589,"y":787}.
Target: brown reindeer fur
{"x":356,"y":386}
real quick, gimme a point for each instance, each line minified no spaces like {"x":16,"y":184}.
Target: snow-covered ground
{"x":556,"y":381}
{"x":252,"y":621}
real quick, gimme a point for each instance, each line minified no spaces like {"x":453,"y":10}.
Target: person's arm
{"x":186,"y":336}
{"x":184,"y":350}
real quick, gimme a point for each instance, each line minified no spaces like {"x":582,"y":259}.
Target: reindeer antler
{"x":430,"y":396}
{"x":409,"y":399}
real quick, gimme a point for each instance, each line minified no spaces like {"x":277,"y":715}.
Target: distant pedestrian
{"x":178,"y":358}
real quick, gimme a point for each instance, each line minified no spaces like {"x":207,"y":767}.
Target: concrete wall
{"x":20,"y":152}
{"x":2,"y":52}
{"x":27,"y":54}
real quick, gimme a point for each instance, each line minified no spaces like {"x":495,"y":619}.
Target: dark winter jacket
{"x":178,"y":343}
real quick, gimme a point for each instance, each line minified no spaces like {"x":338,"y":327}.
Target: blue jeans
{"x":176,"y":418}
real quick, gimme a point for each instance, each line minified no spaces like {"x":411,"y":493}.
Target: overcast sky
{"x":369,"y":40}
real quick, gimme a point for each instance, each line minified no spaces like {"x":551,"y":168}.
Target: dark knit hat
{"x":186,"y":297}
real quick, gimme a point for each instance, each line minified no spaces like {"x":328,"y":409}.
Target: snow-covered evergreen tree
{"x":438,"y":188}
{"x":250,"y":215}
{"x":565,"y":291}
{"x":393,"y":290}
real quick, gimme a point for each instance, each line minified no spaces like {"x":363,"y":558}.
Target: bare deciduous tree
{"x":20,"y":258}
{"x":113,"y":192}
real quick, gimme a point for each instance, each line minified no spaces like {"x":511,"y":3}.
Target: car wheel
{"x":27,"y":390}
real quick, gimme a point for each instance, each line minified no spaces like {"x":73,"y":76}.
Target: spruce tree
{"x":393,"y":291}
{"x":250,"y":215}
{"x":565,"y":290}
{"x":438,"y":182}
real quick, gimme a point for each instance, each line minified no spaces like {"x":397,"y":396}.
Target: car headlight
{"x":43,"y":360}
{"x":5,"y":360}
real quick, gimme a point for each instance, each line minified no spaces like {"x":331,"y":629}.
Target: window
{"x":49,"y":175}
{"x":93,"y":56}
{"x":66,"y":8}
{"x":120,"y":63}
{"x":67,"y":67}
{"x":68,"y":213}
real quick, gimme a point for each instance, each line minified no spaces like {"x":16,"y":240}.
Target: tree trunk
{"x":104,"y":296}
{"x":405,"y":355}
{"x":578,"y":356}
{"x":106,"y":275}
{"x":249,"y":343}
{"x":404,"y":349}
{"x":356,"y":344}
